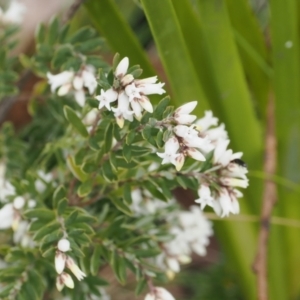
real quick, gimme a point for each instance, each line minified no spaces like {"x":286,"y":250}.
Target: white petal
{"x":155,"y":88}
{"x":186,"y":108}
{"x":137,"y":109}
{"x":78,"y":83}
{"x":146,"y":104}
{"x":122,"y":67}
{"x":195,"y":154}
{"x":63,"y":245}
{"x":146,"y":80}
{"x":80,"y":97}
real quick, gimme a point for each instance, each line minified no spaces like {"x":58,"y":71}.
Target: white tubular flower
{"x":74,"y":268}
{"x":107,"y":97}
{"x":207,"y":121}
{"x":150,"y":89}
{"x":122,"y":67}
{"x":60,"y":262}
{"x":63,"y":245}
{"x":122,"y":111}
{"x":63,"y":80}
{"x":68,"y":81}
{"x":6,"y":216}
{"x":14,"y":13}
{"x":64,"y":279}
{"x":173,"y":264}
{"x":159,"y":293}
{"x":195,"y":154}
{"x":89,"y":79}
{"x":137,"y":109}
{"x":227,"y":204}
{"x":192,"y":139}
{"x":205,"y":197}
{"x":182,"y":113}
{"x":230,"y":181}
{"x":170,"y":155}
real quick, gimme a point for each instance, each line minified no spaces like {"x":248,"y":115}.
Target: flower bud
{"x":60,"y":261}
{"x":63,"y":245}
{"x":159,"y":293}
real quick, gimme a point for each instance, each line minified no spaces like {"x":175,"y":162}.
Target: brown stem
{"x":269,"y":200}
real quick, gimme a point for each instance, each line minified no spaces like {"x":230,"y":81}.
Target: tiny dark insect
{"x":239,"y":162}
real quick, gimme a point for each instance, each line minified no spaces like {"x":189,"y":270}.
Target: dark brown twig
{"x":269,"y":200}
{"x":7,"y":102}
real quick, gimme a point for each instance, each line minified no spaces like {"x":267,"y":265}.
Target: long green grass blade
{"x":173,"y":52}
{"x":192,"y":33}
{"x":252,"y":50}
{"x":111,"y":24}
{"x":286,"y":61}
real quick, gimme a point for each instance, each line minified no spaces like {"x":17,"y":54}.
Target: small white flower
{"x":159,"y":293}
{"x":60,"y":262}
{"x":205,"y":197}
{"x":62,"y":79}
{"x":227,"y":203}
{"x":64,"y":279}
{"x":170,"y":155}
{"x":107,"y":97}
{"x":6,"y":216}
{"x":74,"y":268}
{"x":182,"y":113}
{"x":68,"y":81}
{"x":63,"y":245}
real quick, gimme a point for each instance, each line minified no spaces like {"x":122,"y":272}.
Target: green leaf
{"x":85,"y":188}
{"x":72,"y":117}
{"x":108,"y":137}
{"x":40,"y":213}
{"x":161,"y":107}
{"x":127,"y":153}
{"x":108,"y":172}
{"x":58,"y":194}
{"x":140,"y":286}
{"x":62,"y":205}
{"x":154,"y":190}
{"x":96,"y":260}
{"x":40,"y":33}
{"x":76,"y":170}
{"x":46,"y":229}
{"x":82,"y":35}
{"x":53,"y":30}
{"x":119,"y":267}
{"x":121,"y":205}
{"x":127,"y":193}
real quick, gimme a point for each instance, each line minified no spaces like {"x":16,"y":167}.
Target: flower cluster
{"x":191,"y":234}
{"x":190,"y":230}
{"x":71,"y":82}
{"x":218,"y":184}
{"x":186,"y":140}
{"x":131,"y":94}
{"x":62,"y":261}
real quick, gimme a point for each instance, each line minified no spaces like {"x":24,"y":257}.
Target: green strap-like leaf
{"x":286,"y":61}
{"x":109,"y":21}
{"x":252,"y":50}
{"x":173,"y":52}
